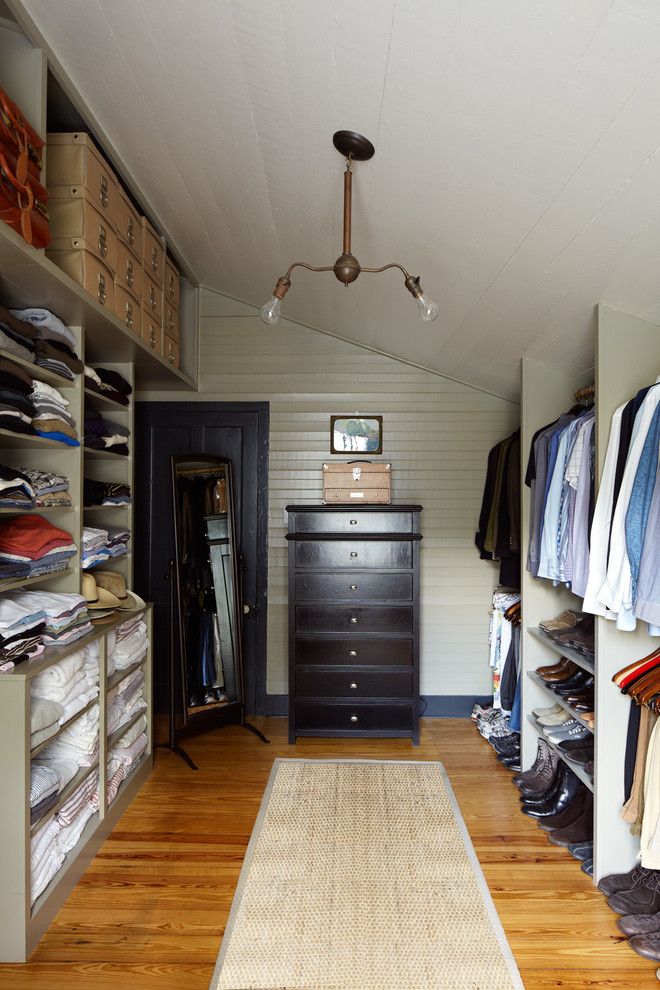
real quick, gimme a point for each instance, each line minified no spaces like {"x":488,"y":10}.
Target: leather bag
{"x":23,"y":204}
{"x":23,"y":200}
{"x":18,"y":137}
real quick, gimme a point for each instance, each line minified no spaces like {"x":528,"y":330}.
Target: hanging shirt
{"x":600,"y":527}
{"x":616,"y":590}
{"x":580,"y":522}
{"x":640,"y":500}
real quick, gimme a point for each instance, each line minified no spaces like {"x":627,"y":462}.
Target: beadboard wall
{"x":437,"y":434}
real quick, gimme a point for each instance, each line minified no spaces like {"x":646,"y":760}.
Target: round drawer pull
{"x":353,"y":686}
{"x":354,"y":718}
{"x":354,"y":619}
{"x":353,"y":587}
{"x":353,"y":554}
{"x":353,"y":522}
{"x":352,"y":653}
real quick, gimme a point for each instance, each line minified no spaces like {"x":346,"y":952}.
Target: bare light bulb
{"x":428,"y":310}
{"x":271,"y":312}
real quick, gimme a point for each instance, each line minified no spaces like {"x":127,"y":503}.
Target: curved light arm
{"x":311,"y":268}
{"x":384,"y":268}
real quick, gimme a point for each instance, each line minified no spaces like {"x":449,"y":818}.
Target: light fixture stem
{"x":348,"y":204}
{"x":311,"y":268}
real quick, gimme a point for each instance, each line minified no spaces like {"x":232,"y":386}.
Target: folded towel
{"x":44,"y":781}
{"x":43,"y":712}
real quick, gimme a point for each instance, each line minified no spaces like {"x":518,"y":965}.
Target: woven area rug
{"x":360,"y":875}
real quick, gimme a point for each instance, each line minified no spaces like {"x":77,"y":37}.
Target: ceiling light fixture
{"x":355,"y":148}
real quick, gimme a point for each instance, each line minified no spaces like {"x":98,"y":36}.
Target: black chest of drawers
{"x":354,"y":620}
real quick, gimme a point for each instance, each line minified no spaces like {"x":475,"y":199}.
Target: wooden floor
{"x":150,"y":912}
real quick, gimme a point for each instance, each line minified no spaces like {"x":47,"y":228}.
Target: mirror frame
{"x":229,"y":710}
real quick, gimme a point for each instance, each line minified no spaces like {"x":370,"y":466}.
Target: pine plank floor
{"x":150,"y":911}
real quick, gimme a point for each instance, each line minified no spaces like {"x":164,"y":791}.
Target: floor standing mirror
{"x":206,"y":677}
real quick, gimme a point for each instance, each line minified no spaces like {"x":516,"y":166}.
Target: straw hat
{"x":115,"y":584}
{"x":96,"y":596}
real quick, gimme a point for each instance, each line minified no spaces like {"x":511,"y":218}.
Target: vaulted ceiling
{"x":516,"y":167}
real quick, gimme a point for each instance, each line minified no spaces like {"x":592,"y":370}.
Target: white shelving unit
{"x":28,"y":278}
{"x":627,"y":358}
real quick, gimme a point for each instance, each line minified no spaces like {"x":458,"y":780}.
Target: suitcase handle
{"x":359,"y":462}
{"x":22,"y":189}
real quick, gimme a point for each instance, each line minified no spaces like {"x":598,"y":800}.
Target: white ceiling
{"x":516,"y":168}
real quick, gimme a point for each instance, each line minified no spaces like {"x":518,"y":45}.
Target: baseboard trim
{"x":437,"y":705}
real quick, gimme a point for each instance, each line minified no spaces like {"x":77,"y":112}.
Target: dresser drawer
{"x":354,"y":652}
{"x":358,"y":586}
{"x":354,"y":522}
{"x":354,"y":618}
{"x":354,"y":553}
{"x":356,"y":684}
{"x":313,"y":715}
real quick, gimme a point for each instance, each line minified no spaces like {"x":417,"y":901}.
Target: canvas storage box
{"x":77,"y":170}
{"x":361,"y":482}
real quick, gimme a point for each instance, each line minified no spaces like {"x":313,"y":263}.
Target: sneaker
{"x":544,"y":712}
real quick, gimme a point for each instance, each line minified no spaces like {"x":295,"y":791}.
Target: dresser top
{"x":352,"y":507}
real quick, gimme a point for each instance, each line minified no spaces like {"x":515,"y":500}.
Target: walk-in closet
{"x":329,"y":495}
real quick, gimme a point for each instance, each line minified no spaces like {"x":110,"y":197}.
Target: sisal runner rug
{"x":360,"y":875}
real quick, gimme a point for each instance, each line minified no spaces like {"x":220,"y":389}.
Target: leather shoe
{"x":561,"y":669}
{"x":511,"y":763}
{"x":581,"y":830}
{"x":581,"y":850}
{"x":643,"y":899}
{"x":615,"y":882}
{"x":567,"y":788}
{"x":639,"y":924}
{"x":647,"y":946}
{"x":582,"y":801}
{"x":580,"y":756}
{"x":544,"y":755}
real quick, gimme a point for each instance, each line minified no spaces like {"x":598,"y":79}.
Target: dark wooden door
{"x":237,"y":431}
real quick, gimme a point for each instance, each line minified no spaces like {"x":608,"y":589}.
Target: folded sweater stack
{"x":47,"y":780}
{"x":28,"y":619}
{"x":52,"y":343}
{"x":16,"y":490}
{"x":105,"y":434}
{"x":30,"y":545}
{"x":52,"y":418}
{"x":16,"y":406}
{"x":50,"y":489}
{"x":100,"y":545}
{"x":105,"y":493}
{"x":108,"y":383}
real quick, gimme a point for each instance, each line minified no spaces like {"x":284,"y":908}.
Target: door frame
{"x":256,"y":703}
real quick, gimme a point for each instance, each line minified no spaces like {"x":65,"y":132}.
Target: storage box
{"x":75,"y":223}
{"x":361,"y":482}
{"x":86,"y":269}
{"x":77,"y":170}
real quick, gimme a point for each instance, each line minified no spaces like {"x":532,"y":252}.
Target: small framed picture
{"x":356,"y":434}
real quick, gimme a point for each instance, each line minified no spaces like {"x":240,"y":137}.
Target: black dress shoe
{"x":582,"y":801}
{"x":581,"y":851}
{"x":511,"y":763}
{"x":568,"y":787}
{"x":580,"y":756}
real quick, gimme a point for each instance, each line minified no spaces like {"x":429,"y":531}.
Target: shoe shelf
{"x":563,"y":651}
{"x":578,"y":770}
{"x":558,"y":699}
